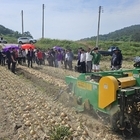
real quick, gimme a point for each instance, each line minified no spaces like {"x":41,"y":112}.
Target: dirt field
{"x":28,"y":110}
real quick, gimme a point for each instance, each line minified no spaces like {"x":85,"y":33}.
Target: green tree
{"x":136,"y":37}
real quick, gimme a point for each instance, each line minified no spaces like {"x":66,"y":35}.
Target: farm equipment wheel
{"x":114,"y":121}
{"x":136,"y":129}
{"x":128,"y":131}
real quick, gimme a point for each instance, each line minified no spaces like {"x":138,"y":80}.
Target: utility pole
{"x":98,"y":26}
{"x":22,"y":21}
{"x":43,"y":7}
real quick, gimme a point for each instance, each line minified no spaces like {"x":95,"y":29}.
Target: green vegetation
{"x":128,"y":41}
{"x":59,"y":133}
{"x":129,"y":49}
{"x":50,"y":43}
{"x":11,"y":35}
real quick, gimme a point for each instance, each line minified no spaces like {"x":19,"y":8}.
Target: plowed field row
{"x":28,"y":112}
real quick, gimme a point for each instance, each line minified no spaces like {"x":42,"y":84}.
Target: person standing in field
{"x":8,"y":56}
{"x":116,"y":61}
{"x":39,"y":56}
{"x":56,"y":58}
{"x":65,"y":58}
{"x":70,"y":58}
{"x":30,"y":55}
{"x":96,"y":59}
{"x":83,"y":61}
{"x":24,"y":56}
{"x":88,"y":61}
{"x":59,"y":58}
{"x":78,"y":56}
{"x":13,"y":59}
{"x":3,"y":58}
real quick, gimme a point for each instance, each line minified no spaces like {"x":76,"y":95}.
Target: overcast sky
{"x":69,"y":19}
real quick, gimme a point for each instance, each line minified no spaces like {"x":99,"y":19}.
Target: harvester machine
{"x":114,"y":94}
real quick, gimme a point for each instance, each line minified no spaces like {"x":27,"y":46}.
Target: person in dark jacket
{"x":8,"y":56}
{"x":116,"y":61}
{"x":13,"y":60}
{"x":3,"y":57}
{"x":30,"y":56}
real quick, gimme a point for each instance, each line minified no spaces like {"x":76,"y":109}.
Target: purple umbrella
{"x":57,"y":48}
{"x":11,"y":46}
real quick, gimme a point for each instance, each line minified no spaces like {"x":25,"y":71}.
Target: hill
{"x":5,"y":32}
{"x":131,"y":33}
{"x":8,"y":32}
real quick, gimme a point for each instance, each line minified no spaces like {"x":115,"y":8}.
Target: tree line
{"x":10,"y":33}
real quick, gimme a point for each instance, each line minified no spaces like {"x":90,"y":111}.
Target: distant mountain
{"x":131,"y":33}
{"x":8,"y":32}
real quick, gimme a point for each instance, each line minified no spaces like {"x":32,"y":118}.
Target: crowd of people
{"x":87,"y":60}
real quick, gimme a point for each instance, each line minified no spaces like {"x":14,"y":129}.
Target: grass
{"x":59,"y":133}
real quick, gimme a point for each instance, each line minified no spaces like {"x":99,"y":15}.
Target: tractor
{"x":114,"y":94}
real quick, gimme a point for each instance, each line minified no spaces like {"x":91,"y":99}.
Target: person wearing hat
{"x":116,"y":60}
{"x":96,"y":59}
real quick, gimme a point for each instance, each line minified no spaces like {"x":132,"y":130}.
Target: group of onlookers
{"x":31,"y":56}
{"x":87,"y":60}
{"x":9,"y":57}
{"x":59,"y":57}
{"x":12,"y":56}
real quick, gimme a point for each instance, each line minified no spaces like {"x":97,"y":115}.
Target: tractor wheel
{"x":127,"y":132}
{"x":136,"y":129}
{"x":114,"y":121}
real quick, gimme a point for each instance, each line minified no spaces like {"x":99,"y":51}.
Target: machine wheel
{"x":31,"y":42}
{"x":114,"y":120}
{"x":128,"y":131}
{"x":136,"y":129}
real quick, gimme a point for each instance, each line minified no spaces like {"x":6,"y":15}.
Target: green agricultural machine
{"x":114,"y":94}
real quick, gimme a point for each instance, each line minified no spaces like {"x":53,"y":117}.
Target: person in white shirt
{"x":66,"y":59}
{"x":88,"y":61}
{"x":24,"y":56}
{"x":83,"y":61}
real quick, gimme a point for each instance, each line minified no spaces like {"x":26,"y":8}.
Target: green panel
{"x":136,"y":75}
{"x":128,"y":91}
{"x":91,"y":94}
{"x":85,"y":90}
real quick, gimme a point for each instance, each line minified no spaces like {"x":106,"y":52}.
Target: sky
{"x":69,"y":19}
